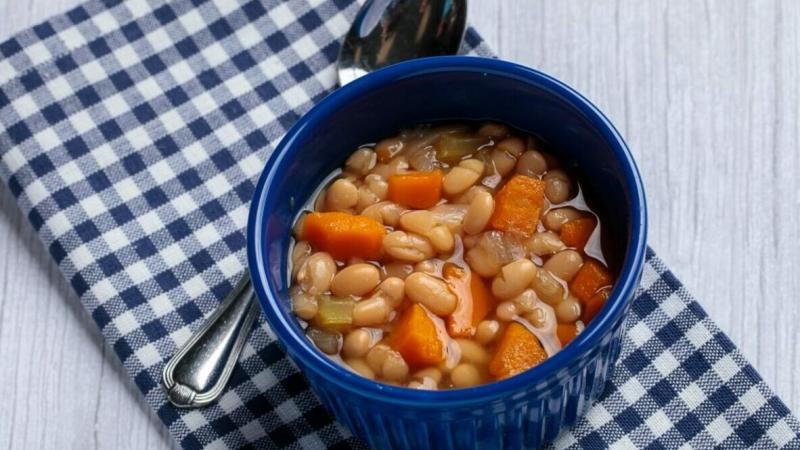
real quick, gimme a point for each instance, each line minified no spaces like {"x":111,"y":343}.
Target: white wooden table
{"x":707,"y":95}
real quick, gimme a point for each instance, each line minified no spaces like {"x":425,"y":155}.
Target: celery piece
{"x":334,"y":313}
{"x":452,"y":148}
{"x":329,"y":342}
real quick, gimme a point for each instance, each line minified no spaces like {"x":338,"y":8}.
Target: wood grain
{"x":706,"y":94}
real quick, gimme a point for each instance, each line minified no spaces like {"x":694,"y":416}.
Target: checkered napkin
{"x":132,"y":134}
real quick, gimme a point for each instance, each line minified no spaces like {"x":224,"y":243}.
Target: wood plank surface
{"x":708,"y":98}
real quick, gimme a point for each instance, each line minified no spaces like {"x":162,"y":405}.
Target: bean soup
{"x":448,"y":256}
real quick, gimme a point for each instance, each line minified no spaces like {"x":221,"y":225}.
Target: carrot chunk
{"x":593,"y":306}
{"x":590,"y":278}
{"x":566,"y":333}
{"x":384,"y":155}
{"x":518,"y":204}
{"x":416,"y":338}
{"x":518,"y":351}
{"x":418,"y":190}
{"x":344,"y":235}
{"x":474,"y":300}
{"x":576,"y":232}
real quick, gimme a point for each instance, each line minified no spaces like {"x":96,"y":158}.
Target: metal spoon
{"x":384,"y":32}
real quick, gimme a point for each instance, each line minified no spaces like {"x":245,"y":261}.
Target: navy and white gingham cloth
{"x":131,"y":135}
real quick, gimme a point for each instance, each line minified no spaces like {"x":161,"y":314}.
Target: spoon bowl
{"x":386,"y":32}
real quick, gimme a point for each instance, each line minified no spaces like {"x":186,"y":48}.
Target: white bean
{"x":479,"y":212}
{"x":409,"y":247}
{"x":513,"y":279}
{"x":564,"y":264}
{"x":483,"y":262}
{"x":486,"y":331}
{"x":462,"y":177}
{"x":451,"y":215}
{"x":471,"y":240}
{"x":357,"y":280}
{"x":493,"y":130}
{"x":466,"y":197}
{"x":514,"y":146}
{"x":377,"y":185}
{"x":361,"y":161}
{"x":532,"y":164}
{"x":398,"y":164}
{"x":341,"y":196}
{"x":502,"y":161}
{"x":506,"y":311}
{"x":547,"y":287}
{"x":394,"y":367}
{"x":473,"y":352}
{"x":366,"y":198}
{"x":542,"y":317}
{"x":360,"y":367}
{"x":385,"y":212}
{"x":302,"y":250}
{"x":555,"y":218}
{"x":394,"y":289}
{"x":304,"y":305}
{"x":558,"y":187}
{"x":465,"y":375}
{"x":357,"y":343}
{"x":376,"y":356}
{"x":317,"y":272}
{"x":372,"y":311}
{"x":424,"y":223}
{"x":419,"y":221}
{"x":537,"y":317}
{"x":527,"y":300}
{"x":396,"y":269}
{"x":441,"y":238}
{"x":429,"y":266}
{"x":431,"y":292}
{"x":569,"y":310}
{"x":545,"y":243}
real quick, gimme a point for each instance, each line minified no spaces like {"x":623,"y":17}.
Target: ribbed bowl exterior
{"x":526,"y":420}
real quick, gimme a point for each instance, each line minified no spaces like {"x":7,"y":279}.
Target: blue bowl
{"x":523,"y":411}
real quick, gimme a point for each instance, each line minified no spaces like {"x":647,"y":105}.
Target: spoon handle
{"x":198,"y":373}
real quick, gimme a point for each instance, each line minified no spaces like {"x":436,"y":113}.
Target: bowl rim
{"x":540,"y":377}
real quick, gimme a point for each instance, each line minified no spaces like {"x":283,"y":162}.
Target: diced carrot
{"x":593,"y":306}
{"x":518,"y":351}
{"x":419,"y":190}
{"x":576,"y":232}
{"x":384,"y":155}
{"x":518,"y":204}
{"x":566,"y":333}
{"x":592,"y":276}
{"x":474,"y":300}
{"x":416,"y":338}
{"x":344,"y":235}
{"x":387,"y":149}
